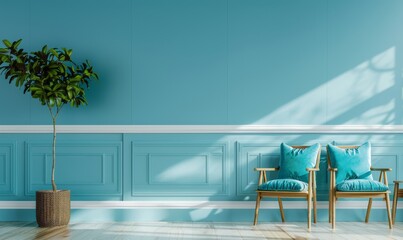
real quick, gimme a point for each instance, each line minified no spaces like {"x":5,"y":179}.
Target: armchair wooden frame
{"x":397,"y":193}
{"x":334,"y":194}
{"x":309,"y":194}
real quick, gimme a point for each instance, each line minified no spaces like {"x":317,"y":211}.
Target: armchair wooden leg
{"x":331,"y":198}
{"x":309,"y":212}
{"x":315,"y":215}
{"x":388,"y":209}
{"x":394,"y":206}
{"x":330,"y":207}
{"x":368,"y":210}
{"x":258,"y":198}
{"x":280,"y":204}
{"x":333,"y":210}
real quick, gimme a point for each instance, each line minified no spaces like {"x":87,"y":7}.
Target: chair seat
{"x":288,"y":185}
{"x":361,"y":185}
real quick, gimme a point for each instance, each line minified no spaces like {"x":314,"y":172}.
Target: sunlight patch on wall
{"x":352,"y":90}
{"x":361,"y":95}
{"x":183,"y":170}
{"x":305,"y":109}
{"x":382,"y":114}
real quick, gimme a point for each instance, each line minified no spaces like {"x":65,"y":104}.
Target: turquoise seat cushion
{"x":289,"y":185}
{"x":295,"y":161}
{"x":361,"y":185}
{"x":352,"y":163}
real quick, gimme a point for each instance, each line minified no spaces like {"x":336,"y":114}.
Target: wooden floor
{"x":189,"y":230}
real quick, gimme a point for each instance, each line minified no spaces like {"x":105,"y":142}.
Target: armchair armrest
{"x":332,"y":169}
{"x":263,"y":175}
{"x":381,"y":169}
{"x":267,"y":169}
{"x":383,"y":174}
{"x":312,"y":178}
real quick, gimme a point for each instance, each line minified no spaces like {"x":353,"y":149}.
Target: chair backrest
{"x":352,"y":162}
{"x":329,"y":163}
{"x":317,"y":158}
{"x":294,"y":161}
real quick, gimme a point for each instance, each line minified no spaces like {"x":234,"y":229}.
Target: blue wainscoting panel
{"x":388,"y":156}
{"x":87,"y":169}
{"x":249,"y":157}
{"x":8,"y":174}
{"x":171,"y":170}
{"x":322,"y":177}
{"x":179,"y":170}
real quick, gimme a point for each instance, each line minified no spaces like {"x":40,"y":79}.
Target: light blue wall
{"x":201,"y":62}
{"x":219,"y":61}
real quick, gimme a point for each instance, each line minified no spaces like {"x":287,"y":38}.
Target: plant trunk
{"x":54,"y":155}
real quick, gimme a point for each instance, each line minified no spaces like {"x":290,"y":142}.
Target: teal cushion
{"x":351,"y":163}
{"x":295,"y":161}
{"x":289,"y":185}
{"x":361,"y":185}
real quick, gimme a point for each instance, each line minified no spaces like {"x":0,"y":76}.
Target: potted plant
{"x":51,"y":76}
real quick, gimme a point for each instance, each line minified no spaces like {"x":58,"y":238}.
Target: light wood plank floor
{"x":196,"y":230}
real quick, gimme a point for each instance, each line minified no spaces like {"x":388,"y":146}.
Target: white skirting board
{"x":197,"y":204}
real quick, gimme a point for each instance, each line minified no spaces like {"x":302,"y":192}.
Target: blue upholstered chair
{"x":296,"y":178}
{"x":351,"y":177}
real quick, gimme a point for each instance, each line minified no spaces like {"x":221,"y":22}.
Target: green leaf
{"x":58,"y":102}
{"x":35,"y":89}
{"x":53,"y":51}
{"x":7,"y":43}
{"x":51,"y":102}
{"x":5,"y":58}
{"x":57,"y":86}
{"x":17,"y":43}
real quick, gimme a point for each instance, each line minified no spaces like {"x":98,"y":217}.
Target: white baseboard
{"x":196,"y":204}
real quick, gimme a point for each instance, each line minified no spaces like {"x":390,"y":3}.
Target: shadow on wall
{"x":368,"y":93}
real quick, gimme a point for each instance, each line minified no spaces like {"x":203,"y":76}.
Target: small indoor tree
{"x":49,"y":75}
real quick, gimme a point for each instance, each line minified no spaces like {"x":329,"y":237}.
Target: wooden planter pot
{"x":53,"y":208}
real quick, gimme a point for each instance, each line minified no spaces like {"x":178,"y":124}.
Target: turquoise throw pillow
{"x":295,"y":161}
{"x":288,"y":185}
{"x":353,"y":163}
{"x":361,"y":185}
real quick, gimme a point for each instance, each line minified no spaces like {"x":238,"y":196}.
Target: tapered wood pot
{"x":53,"y":208}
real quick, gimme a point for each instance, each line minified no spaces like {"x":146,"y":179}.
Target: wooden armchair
{"x":309,"y":193}
{"x":335,"y":193}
